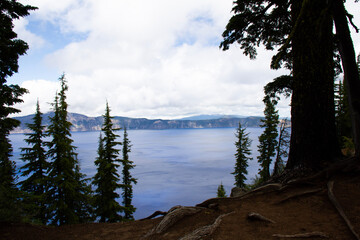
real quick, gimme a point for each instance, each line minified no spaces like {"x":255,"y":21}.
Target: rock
{"x":258,"y":217}
{"x":237,"y":192}
{"x":173,"y":216}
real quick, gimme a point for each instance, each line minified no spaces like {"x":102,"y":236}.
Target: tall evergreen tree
{"x":267,"y":140}
{"x":282,"y":148}
{"x":128,"y":180}
{"x":242,"y":156}
{"x":107,"y":178}
{"x":68,"y":192}
{"x":342,"y":113}
{"x":342,"y":18}
{"x":10,"y":49}
{"x":302,"y":31}
{"x":35,"y":169}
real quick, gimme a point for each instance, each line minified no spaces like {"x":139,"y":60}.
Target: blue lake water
{"x":173,"y":167}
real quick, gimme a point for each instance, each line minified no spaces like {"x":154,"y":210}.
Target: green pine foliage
{"x":221,"y":191}
{"x":128,"y":180}
{"x":242,"y":156}
{"x":10,"y":49}
{"x":255,"y":182}
{"x":68,"y":193}
{"x":9,"y":208}
{"x":35,"y":169}
{"x":268,"y":139}
{"x":106,"y":179}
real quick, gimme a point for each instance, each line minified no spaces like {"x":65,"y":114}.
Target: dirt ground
{"x":301,"y":207}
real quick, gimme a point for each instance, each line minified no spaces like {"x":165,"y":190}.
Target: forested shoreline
{"x":83,"y":123}
{"x":313,"y":43}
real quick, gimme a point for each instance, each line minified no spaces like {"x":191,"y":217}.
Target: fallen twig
{"x":302,"y":235}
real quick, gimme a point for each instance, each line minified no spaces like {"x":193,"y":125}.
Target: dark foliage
{"x":242,"y":156}
{"x":268,"y":139}
{"x":128,"y":180}
{"x":302,"y":33}
{"x":35,"y":169}
{"x":68,"y":194}
{"x":10,"y":49}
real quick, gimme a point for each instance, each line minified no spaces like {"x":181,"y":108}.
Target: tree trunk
{"x":313,"y":134}
{"x":351,"y":73}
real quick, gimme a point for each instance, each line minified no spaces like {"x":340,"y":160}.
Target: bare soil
{"x":302,"y":207}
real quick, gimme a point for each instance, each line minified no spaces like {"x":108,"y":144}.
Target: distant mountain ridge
{"x":210,"y":117}
{"x":84,"y":123}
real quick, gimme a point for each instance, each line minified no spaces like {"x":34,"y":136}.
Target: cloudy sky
{"x":147,"y":58}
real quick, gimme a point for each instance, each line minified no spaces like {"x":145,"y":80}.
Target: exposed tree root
{"x":205,"y":230}
{"x":339,"y":208}
{"x":300,"y":194}
{"x":271,"y":187}
{"x":303,"y":235}
{"x":258,"y":217}
{"x":173,"y":216}
{"x":155,"y":214}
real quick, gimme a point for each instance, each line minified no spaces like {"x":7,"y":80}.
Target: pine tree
{"x":106,"y":179}
{"x":9,"y":202}
{"x":10,"y":49}
{"x":282,"y":148}
{"x":68,"y":193}
{"x":128,"y":180}
{"x":342,"y":113}
{"x":242,"y":156}
{"x":267,"y":140}
{"x":35,"y":169}
{"x":302,"y":33}
{"x":221,"y":191}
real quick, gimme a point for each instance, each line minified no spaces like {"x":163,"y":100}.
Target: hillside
{"x":299,"y":209}
{"x":83,"y":123}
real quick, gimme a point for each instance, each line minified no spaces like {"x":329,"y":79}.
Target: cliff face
{"x":83,"y":123}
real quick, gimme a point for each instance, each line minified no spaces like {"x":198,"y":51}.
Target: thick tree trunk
{"x":348,"y":57}
{"x":313,"y":138}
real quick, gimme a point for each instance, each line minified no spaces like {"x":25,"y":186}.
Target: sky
{"x":146,"y":58}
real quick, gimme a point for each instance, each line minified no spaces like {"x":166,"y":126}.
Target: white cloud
{"x":155,"y":58}
{"x":34,"y":41}
{"x":41,"y":90}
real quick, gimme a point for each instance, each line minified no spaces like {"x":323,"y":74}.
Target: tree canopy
{"x":268,"y":139}
{"x":128,"y":179}
{"x":68,"y":194}
{"x":302,"y":33}
{"x":106,"y":179}
{"x":35,"y":169}
{"x":10,"y":49}
{"x":242,"y":156}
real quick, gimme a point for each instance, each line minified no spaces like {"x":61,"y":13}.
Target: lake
{"x":173,"y":167}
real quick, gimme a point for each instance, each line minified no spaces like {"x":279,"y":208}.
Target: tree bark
{"x":313,"y":133}
{"x":351,"y":73}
